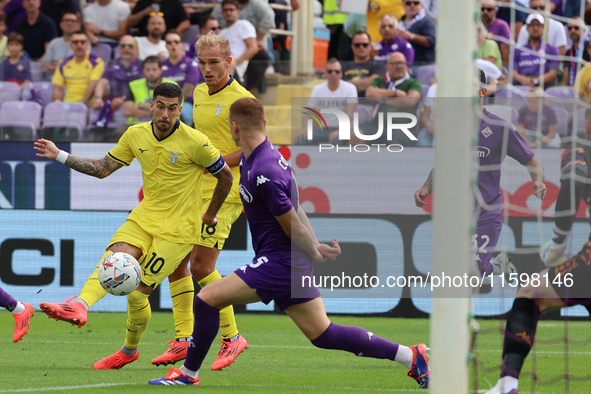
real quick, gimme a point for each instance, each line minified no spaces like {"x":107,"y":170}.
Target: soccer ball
{"x":119,"y":273}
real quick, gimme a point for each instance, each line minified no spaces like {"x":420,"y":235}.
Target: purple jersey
{"x":497,"y":138}
{"x":267,"y":190}
{"x":19,"y":72}
{"x":497,"y":29}
{"x":186,"y":70}
{"x":119,"y":76}
{"x":529,"y":118}
{"x":398,"y":44}
{"x":527,"y":63}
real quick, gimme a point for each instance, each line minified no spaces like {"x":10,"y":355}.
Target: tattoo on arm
{"x":99,"y":168}
{"x":221,"y":191}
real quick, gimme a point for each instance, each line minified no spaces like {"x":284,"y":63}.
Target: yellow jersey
{"x":172,"y":170}
{"x":582,"y":84}
{"x":210,"y":114}
{"x":76,"y":77}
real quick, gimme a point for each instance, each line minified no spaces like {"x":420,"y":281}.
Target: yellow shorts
{"x":215,"y":236}
{"x":159,"y":257}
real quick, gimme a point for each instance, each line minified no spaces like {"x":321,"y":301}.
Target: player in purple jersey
{"x":496,"y":138}
{"x":286,"y":247}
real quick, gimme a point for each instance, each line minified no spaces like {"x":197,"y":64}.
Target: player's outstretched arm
{"x":536,"y":172}
{"x":99,"y":168}
{"x":222,"y":188}
{"x":298,"y":232}
{"x":424,"y":191}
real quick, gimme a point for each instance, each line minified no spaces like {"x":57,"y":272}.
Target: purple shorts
{"x":486,"y":237}
{"x":276,"y":278}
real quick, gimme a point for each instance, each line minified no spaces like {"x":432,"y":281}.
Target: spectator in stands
{"x":556,"y":35}
{"x":557,"y":7}
{"x":262,"y":17}
{"x":113,"y":86}
{"x":56,"y":8}
{"x":241,"y":34}
{"x":526,"y":66}
{"x":419,"y":30}
{"x":16,"y":67}
{"x":392,"y":42}
{"x":106,"y":21}
{"x":498,"y":29}
{"x":537,"y":121}
{"x":334,"y":18}
{"x":78,"y":73}
{"x":209,"y":23}
{"x":582,"y":84}
{"x":153,"y":44}
{"x":332,"y":94}
{"x":174,"y":14}
{"x":488,"y":49}
{"x":504,"y":12}
{"x":59,"y":48}
{"x":183,"y":70}
{"x":14,"y":12}
{"x":376,"y":9}
{"x":575,"y":27}
{"x":37,"y":29}
{"x":140,"y":91}
{"x":3,"y":38}
{"x":401,"y":93}
{"x":363,"y":69}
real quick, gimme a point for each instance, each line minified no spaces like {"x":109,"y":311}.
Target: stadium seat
{"x":562,"y":97}
{"x":102,"y":133}
{"x":103,"y":51}
{"x":562,"y":122}
{"x":190,"y":36}
{"x":505,"y":112}
{"x":9,"y":91}
{"x":64,"y":121}
{"x":45,"y":89}
{"x":20,"y":120}
{"x":426,"y":73}
{"x":511,"y":95}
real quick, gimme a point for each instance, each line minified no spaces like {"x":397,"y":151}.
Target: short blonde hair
{"x":212,"y":40}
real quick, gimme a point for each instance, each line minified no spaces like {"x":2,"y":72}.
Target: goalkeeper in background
{"x":575,"y":185}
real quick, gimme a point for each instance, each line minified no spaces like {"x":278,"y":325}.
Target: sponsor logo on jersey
{"x":480,"y":151}
{"x":245,"y":194}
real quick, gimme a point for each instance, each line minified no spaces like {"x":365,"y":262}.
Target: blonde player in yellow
{"x":211,"y":108}
{"x":163,"y":228}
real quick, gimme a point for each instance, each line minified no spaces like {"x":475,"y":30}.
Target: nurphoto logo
{"x":345,"y":126}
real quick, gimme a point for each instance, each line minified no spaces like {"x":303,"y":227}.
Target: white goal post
{"x":453,"y":199}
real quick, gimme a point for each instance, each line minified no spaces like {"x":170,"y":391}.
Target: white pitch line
{"x":59,"y":388}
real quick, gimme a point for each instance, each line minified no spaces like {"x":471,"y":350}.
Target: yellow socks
{"x":182,"y":293}
{"x":138,"y":317}
{"x":227,"y":320}
{"x":92,"y":291}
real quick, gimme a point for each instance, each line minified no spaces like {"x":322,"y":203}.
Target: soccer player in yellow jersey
{"x":79,"y":73}
{"x":161,"y":231}
{"x":211,"y":108}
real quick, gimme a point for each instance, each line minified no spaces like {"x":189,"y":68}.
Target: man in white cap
{"x":537,"y":64}
{"x":555,"y":34}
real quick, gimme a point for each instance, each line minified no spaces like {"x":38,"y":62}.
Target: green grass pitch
{"x":57,"y":357}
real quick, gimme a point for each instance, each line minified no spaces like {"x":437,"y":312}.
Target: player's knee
{"x":528,"y":292}
{"x":137,"y":300}
{"x":200,"y":271}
